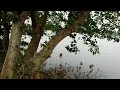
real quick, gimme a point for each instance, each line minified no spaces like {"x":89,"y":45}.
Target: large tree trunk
{"x":38,"y":29}
{"x":45,"y":53}
{"x":14,"y":44}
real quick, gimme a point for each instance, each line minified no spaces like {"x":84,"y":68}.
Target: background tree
{"x":97,"y":24}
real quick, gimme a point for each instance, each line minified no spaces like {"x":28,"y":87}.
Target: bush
{"x":60,"y":72}
{"x":65,"y":72}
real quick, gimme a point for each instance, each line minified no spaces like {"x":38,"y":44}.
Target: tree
{"x":4,"y":33}
{"x":83,"y":22}
{"x":14,"y":43}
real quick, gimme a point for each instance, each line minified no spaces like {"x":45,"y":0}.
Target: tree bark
{"x":6,"y":37}
{"x":45,"y":53}
{"x":38,"y":29}
{"x":13,"y":49}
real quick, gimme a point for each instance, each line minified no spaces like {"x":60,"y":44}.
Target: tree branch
{"x":44,"y":54}
{"x":38,"y":29}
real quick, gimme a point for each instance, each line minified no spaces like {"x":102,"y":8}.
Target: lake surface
{"x":108,"y":60}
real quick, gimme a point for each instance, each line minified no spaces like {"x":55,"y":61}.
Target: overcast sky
{"x":108,"y":60}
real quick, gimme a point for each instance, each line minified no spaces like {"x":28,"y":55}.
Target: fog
{"x":108,"y":60}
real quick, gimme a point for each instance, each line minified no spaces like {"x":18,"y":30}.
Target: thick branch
{"x":44,"y":54}
{"x":13,"y":49}
{"x":38,"y":29}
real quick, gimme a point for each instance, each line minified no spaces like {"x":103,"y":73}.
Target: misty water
{"x":108,"y":61}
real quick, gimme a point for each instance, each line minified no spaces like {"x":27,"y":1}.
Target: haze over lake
{"x":108,"y":60}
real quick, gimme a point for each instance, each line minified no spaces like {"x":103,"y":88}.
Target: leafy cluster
{"x":73,"y":46}
{"x":99,"y":24}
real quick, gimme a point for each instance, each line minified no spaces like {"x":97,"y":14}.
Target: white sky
{"x":108,"y":59}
